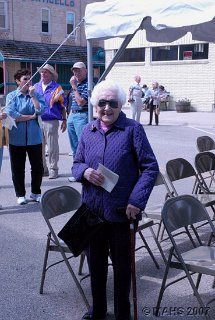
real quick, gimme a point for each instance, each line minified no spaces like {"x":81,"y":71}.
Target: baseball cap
{"x":78,"y":65}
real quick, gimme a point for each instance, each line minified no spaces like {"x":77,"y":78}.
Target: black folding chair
{"x":205,"y":166}
{"x":180,"y":169}
{"x":205,"y":143}
{"x":54,"y":203}
{"x":193,"y":257}
{"x":162,"y":189}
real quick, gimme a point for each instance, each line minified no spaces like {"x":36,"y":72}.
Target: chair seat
{"x":154,"y":212}
{"x":145,"y":223}
{"x":53,"y":247}
{"x":201,"y":260}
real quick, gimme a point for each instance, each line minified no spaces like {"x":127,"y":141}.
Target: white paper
{"x":9,"y":122}
{"x":110,"y":178}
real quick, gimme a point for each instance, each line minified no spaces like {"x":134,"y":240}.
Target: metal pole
{"x":90,"y":78}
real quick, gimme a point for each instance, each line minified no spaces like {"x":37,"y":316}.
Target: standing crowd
{"x":141,"y":98}
{"x":40,"y":110}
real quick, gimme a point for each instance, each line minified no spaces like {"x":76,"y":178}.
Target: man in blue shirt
{"x":78,"y":102}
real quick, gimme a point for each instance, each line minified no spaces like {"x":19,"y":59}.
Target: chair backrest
{"x":178,"y":169}
{"x":183,"y":211}
{"x":205,"y":162}
{"x":162,"y":181}
{"x":205,"y":143}
{"x":59,"y":200}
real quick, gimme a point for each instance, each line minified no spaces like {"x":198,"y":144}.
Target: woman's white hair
{"x":107,"y":85}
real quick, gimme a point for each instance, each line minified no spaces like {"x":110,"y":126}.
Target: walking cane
{"x":133,"y":270}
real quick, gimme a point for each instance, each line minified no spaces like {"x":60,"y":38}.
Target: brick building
{"x":32,"y":30}
{"x":185,"y":67}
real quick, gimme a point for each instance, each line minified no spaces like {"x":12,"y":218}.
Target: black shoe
{"x":89,"y":316}
{"x":149,"y":124}
{"x":156,"y":124}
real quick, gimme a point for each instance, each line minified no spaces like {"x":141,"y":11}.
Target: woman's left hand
{"x":132,"y":211}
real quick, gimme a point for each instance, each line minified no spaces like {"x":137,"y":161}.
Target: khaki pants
{"x":50,"y":137}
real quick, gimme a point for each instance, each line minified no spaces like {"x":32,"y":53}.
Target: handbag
{"x":80,"y":229}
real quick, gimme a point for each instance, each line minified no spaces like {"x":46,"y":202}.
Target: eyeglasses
{"x":112,"y":103}
{"x":26,"y":78}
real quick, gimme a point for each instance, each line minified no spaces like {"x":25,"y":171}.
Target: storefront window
{"x":133,"y":55}
{"x":181,"y":52}
{"x":193,"y":51}
{"x":165,"y":53}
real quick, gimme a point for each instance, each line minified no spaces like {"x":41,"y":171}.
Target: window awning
{"x":39,"y":52}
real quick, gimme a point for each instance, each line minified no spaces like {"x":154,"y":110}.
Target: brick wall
{"x":184,"y":79}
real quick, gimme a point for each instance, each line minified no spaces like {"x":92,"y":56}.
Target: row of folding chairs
{"x":61,"y":200}
{"x":197,"y":183}
{"x":188,"y":212}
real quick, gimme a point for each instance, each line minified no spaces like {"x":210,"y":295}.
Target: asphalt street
{"x":23,"y":238}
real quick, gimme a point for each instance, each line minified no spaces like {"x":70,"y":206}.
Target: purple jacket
{"x":126,"y":151}
{"x":54,"y":99}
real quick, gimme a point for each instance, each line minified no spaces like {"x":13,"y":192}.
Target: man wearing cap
{"x":55,"y":101}
{"x":78,"y":101}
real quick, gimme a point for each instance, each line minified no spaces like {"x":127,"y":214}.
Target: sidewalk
{"x":200,"y":119}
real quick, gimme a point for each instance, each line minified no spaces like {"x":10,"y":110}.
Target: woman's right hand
{"x":94,"y":176}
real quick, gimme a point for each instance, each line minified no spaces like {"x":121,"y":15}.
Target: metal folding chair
{"x":144,"y":224}
{"x":205,"y":166}
{"x":205,"y":143}
{"x":185,"y":212}
{"x":54,"y":203}
{"x":161,"y":189}
{"x":179,"y":169}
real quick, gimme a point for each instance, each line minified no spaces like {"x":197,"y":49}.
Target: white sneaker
{"x":21,"y":200}
{"x":72,"y":179}
{"x":53,"y":174}
{"x":35,"y":197}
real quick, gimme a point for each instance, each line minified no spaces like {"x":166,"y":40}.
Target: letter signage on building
{"x":66,"y":3}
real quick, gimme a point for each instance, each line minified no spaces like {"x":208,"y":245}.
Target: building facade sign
{"x":66,"y":3}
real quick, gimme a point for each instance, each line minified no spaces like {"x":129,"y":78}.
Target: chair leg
{"x":45,"y":263}
{"x":79,"y":287}
{"x":163,"y":285}
{"x":148,"y":249}
{"x":82,"y":258}
{"x":158,"y":245}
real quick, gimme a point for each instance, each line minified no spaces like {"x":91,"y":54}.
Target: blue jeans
{"x":75,"y":124}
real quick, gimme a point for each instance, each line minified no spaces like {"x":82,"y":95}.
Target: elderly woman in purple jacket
{"x":121,"y":145}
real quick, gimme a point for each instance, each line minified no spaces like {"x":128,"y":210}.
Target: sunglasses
{"x":112,"y":103}
{"x":26,"y":78}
